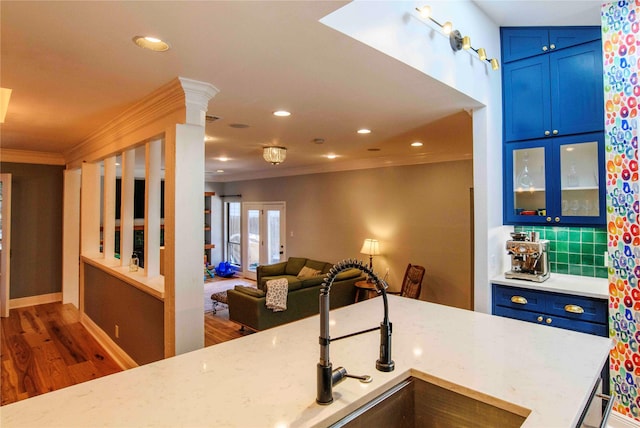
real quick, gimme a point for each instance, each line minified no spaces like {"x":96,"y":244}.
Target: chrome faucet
{"x":326,"y":376}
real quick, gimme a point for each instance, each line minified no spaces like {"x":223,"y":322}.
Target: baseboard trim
{"x":117,"y":353}
{"x":618,"y":420}
{"x":41,"y":299}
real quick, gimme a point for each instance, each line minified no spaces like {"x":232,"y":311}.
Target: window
{"x":233,"y":234}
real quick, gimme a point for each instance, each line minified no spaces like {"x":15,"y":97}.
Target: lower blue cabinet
{"x":577,"y":313}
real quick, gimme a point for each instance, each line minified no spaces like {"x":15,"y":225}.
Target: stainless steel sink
{"x":419,"y":403}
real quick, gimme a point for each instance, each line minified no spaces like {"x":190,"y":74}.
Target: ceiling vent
{"x":212,"y":118}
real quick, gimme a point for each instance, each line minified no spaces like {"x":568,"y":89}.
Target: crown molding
{"x":144,"y":119}
{"x":33,"y":157}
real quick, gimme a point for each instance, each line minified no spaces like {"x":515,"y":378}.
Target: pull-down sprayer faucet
{"x":326,"y":376}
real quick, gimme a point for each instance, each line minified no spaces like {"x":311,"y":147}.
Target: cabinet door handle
{"x":545,"y":48}
{"x":574,"y":309}
{"x":548,"y":219}
{"x":547,"y":133}
{"x":519,"y":300}
{"x":557,"y":219}
{"x":555,"y":132}
{"x":552,"y":46}
{"x":548,"y":320}
{"x":540,"y":318}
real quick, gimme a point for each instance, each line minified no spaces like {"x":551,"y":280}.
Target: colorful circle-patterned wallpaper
{"x":621,"y":44}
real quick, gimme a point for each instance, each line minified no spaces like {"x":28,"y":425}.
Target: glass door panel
{"x":253,"y":235}
{"x":529,"y":187}
{"x":264,"y":235}
{"x":274,"y":246}
{"x":579,"y":179}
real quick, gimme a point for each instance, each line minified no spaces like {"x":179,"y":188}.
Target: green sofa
{"x":247,"y":306}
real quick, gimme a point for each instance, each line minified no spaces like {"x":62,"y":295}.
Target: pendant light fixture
{"x":274,"y":154}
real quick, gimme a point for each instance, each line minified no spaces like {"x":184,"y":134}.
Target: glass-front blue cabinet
{"x":557,"y":181}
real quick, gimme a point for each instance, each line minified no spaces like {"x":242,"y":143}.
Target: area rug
{"x":217,"y":285}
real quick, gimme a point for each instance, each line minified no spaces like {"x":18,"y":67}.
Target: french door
{"x":263,"y":235}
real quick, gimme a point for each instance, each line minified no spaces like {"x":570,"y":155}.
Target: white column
{"x":71,"y":238}
{"x":126,"y":205}
{"x":184,"y":207}
{"x":152,"y":209}
{"x":90,"y":210}
{"x":109,"y":208}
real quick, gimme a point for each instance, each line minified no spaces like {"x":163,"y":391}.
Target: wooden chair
{"x":412,"y":282}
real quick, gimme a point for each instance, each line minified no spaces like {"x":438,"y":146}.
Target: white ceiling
{"x":72,"y":67}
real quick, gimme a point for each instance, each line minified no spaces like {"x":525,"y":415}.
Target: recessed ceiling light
{"x":220,"y":170}
{"x":364,"y":131}
{"x":416,"y":144}
{"x":223,"y":158}
{"x":151,"y":43}
{"x":281,"y":113}
{"x":331,"y":156}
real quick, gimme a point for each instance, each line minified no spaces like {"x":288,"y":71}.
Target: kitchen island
{"x":268,"y":379}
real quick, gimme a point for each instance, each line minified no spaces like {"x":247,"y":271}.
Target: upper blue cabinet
{"x":525,"y":42}
{"x":553,"y":119}
{"x":560,"y":93}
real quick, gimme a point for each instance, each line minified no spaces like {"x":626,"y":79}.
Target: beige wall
{"x":420,"y":213}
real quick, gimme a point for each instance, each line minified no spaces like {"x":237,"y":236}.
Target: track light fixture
{"x":456,"y":39}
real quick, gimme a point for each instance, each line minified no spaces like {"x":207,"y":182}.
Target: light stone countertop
{"x":268,"y":379}
{"x":560,"y":283}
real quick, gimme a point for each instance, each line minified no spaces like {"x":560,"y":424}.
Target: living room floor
{"x":217,"y":327}
{"x":45,"y":347}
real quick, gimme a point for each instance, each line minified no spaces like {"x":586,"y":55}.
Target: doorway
{"x":5,"y":243}
{"x":263,"y":237}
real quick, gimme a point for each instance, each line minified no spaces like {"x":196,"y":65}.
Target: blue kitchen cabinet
{"x":556,"y":94}
{"x":519,"y":42}
{"x":577,"y":313}
{"x":555,"y":181}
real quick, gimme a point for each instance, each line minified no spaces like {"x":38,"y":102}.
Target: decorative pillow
{"x":307,"y":272}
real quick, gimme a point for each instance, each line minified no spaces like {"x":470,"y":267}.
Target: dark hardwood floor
{"x":44,"y":348}
{"x":218,"y":328}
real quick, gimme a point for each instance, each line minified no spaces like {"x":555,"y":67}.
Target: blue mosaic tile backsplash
{"x":574,"y":250}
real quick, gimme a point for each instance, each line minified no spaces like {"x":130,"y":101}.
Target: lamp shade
{"x":274,"y":154}
{"x":370,"y":247}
